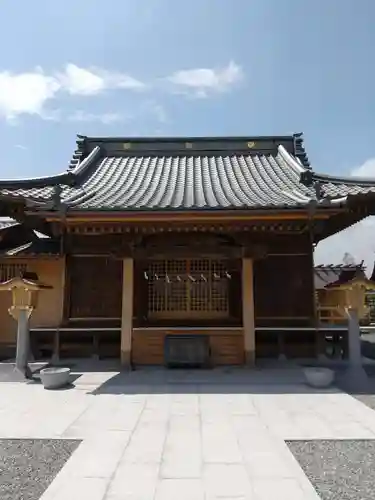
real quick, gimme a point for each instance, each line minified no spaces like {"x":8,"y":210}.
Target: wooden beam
{"x":192,"y":217}
{"x":198,"y":251}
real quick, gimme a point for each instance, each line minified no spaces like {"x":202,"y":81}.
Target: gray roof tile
{"x":325,"y":276}
{"x":190,"y":174}
{"x":188,"y":182}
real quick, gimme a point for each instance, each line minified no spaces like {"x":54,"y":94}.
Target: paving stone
{"x":226,"y":480}
{"x":152,"y":431}
{"x":279,"y":489}
{"x":181,"y":489}
{"x":134,"y":482}
{"x":98,"y":456}
{"x":78,"y":488}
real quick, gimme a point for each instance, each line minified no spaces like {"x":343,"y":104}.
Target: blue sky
{"x":168,"y":67}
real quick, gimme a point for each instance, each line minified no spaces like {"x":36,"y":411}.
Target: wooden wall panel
{"x":148,"y":348}
{"x":284,"y":288}
{"x":95,"y":287}
{"x":227,"y":347}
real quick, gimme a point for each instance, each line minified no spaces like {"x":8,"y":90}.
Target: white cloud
{"x":25,"y":92}
{"x":105,"y":118}
{"x":365,"y":170}
{"x":204,"y":81}
{"x":358,"y":240}
{"x":28,"y":93}
{"x":81,"y":81}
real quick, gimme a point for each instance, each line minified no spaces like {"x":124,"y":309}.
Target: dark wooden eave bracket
{"x":16,"y":207}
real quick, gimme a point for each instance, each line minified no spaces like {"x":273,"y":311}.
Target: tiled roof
{"x":190,"y":182}
{"x":187,"y":173}
{"x":6,"y":222}
{"x":326,"y":276}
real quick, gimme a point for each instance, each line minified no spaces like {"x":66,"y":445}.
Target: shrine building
{"x":169,"y":250}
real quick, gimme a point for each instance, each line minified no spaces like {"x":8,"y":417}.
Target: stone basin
{"x":318,"y":376}
{"x":55,"y":378}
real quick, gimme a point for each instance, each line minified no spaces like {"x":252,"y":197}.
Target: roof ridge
{"x":177,"y":138}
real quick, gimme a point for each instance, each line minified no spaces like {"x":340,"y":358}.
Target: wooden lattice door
{"x":95,"y":287}
{"x":187,"y":288}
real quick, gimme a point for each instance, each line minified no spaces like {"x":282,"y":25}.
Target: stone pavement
{"x":198,"y":435}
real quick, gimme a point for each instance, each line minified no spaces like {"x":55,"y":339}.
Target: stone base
{"x":126,"y":359}
{"x":355,"y":380}
{"x":249,"y":358}
{"x":17,"y":376}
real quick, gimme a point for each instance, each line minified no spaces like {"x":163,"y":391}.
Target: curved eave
{"x":350,"y":198}
{"x":67,"y":178}
{"x":308,"y":177}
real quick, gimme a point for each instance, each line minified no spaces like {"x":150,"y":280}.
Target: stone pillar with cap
{"x":355,"y":377}
{"x":25,"y":291}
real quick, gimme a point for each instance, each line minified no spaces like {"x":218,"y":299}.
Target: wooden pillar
{"x":127,"y":311}
{"x":64,"y":280}
{"x":248,"y":310}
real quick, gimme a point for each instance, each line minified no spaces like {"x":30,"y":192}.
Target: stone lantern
{"x":25,"y":293}
{"x":355,"y":377}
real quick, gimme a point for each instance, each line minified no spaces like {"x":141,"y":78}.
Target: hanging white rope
{"x":188,"y":277}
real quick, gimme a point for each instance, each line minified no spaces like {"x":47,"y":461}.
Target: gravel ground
{"x":338,"y":470}
{"x":366,"y":399}
{"x":28,"y":466}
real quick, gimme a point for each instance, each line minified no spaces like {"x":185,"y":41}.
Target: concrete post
{"x":355,"y":377}
{"x":23,"y":342}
